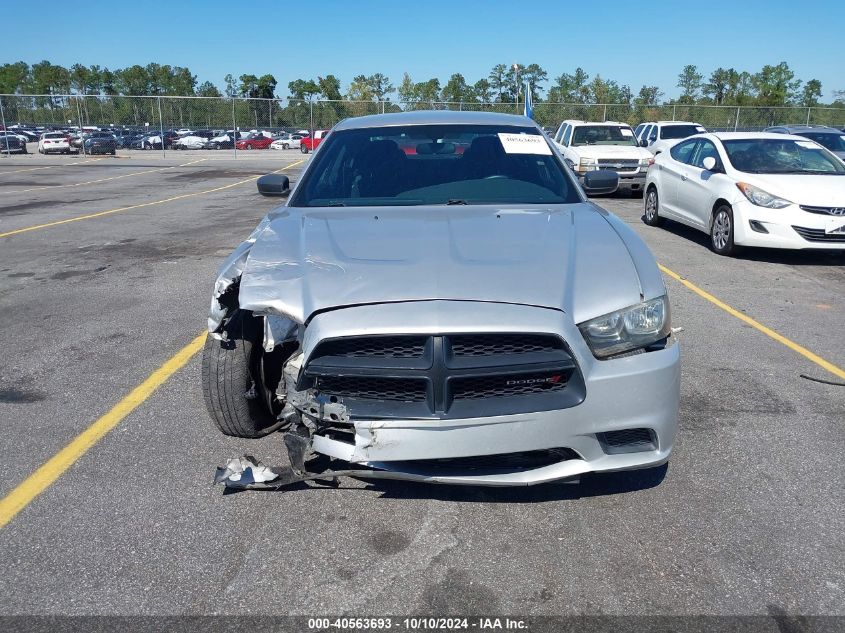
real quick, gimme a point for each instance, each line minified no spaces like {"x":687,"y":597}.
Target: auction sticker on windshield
{"x":524,"y":144}
{"x":626,"y":132}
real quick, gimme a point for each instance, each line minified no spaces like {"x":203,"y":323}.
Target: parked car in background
{"x":609,"y":145}
{"x":309,"y":144}
{"x":11,"y":143}
{"x":658,"y":136}
{"x":287,"y":141}
{"x":100,"y":143}
{"x":751,"y":189}
{"x":225,"y":140}
{"x":54,"y":142}
{"x":195,"y":140}
{"x":128,"y":140}
{"x":828,"y":137}
{"x":255,"y":140}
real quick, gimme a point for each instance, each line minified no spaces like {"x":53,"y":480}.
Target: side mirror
{"x":601,"y":181}
{"x":273,"y":185}
{"x":709,"y":163}
{"x":644,"y":143}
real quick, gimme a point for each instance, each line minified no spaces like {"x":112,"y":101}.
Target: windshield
{"x":434,"y":165}
{"x":679,"y":131}
{"x":775,"y":156}
{"x":833,"y":142}
{"x":603,"y":135}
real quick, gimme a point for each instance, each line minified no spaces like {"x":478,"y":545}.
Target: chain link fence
{"x":162,"y":113}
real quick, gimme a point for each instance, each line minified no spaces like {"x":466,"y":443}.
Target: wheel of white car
{"x":232,"y":383}
{"x":722,"y":231}
{"x":651,"y":208}
{"x":285,"y":146}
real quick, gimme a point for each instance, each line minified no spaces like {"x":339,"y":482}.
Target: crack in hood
{"x":564,"y":257}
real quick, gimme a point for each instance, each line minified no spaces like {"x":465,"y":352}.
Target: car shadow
{"x":589,"y":485}
{"x":764,"y":255}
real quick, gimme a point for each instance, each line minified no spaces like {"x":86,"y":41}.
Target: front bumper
{"x":636,"y":392}
{"x":784,"y":227}
{"x":634,"y":182}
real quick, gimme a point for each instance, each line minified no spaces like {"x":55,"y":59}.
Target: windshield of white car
{"x":603,"y":135}
{"x":679,"y":131}
{"x":787,"y":156}
{"x":435,"y":165}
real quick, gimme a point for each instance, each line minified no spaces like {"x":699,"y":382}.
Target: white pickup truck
{"x":609,"y":145}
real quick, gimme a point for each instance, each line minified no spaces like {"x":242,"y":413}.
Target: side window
{"x":682,"y":152}
{"x":638,"y":129}
{"x":559,"y":134}
{"x":568,"y":135}
{"x":652,"y":133}
{"x":705,"y":149}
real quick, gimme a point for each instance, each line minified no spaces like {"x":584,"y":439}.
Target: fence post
{"x":161,"y":128}
{"x":311,"y":116}
{"x":674,"y":108}
{"x":234,"y":129}
{"x":604,"y":117}
{"x":79,"y":114}
{"x":736,"y":124}
{"x":808,"y":115}
{"x":8,"y":154}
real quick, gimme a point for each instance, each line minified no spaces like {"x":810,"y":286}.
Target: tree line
{"x":773,"y":85}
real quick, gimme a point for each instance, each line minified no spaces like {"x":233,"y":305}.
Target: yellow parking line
{"x":92,"y":182}
{"x":795,"y":347}
{"x":27,"y":229}
{"x":42,"y":478}
{"x":17,"y":171}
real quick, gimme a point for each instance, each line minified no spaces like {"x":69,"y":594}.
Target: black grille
{"x":446,"y":376}
{"x":627,"y":441}
{"x":493,"y":344}
{"x":510,"y":462}
{"x":375,"y":346}
{"x":624,"y":164}
{"x":818,"y":235}
{"x":514,"y":385}
{"x":824,"y":210}
{"x":374,"y":388}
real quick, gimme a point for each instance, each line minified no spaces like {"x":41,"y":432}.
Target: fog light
{"x":757,"y":226}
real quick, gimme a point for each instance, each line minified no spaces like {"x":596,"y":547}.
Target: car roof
{"x":809,"y":128}
{"x":433,"y":117}
{"x":744,"y":136}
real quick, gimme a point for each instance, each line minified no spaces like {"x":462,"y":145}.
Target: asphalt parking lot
{"x":106,"y":268}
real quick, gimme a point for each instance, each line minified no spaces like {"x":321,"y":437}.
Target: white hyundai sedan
{"x":751,"y":189}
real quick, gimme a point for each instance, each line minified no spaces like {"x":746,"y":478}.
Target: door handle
{"x":683,"y":177}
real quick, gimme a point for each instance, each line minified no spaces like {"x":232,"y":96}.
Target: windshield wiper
{"x":457,"y":201}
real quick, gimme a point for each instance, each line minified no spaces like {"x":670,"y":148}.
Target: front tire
{"x":651,"y":208}
{"x":722,"y":232}
{"x":231,"y":380}
{"x":285,"y":146}
{"x":303,"y":149}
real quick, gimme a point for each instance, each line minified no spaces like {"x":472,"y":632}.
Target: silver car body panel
{"x":323,"y":273}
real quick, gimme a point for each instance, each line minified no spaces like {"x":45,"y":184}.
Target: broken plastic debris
{"x":244,"y":471}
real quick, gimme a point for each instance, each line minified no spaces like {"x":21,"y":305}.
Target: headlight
{"x":761,"y":198}
{"x":587,"y":161}
{"x":628,"y":329}
{"x":645,"y":162}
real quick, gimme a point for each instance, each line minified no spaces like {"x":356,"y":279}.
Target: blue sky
{"x":632,"y":42}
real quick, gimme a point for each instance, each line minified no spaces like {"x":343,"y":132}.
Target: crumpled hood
{"x":812,"y":190}
{"x":308,"y":260}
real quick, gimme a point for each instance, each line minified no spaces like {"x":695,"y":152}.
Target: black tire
{"x":230,"y":371}
{"x":722,"y":231}
{"x":303,"y":149}
{"x":285,"y":146}
{"x":651,"y":206}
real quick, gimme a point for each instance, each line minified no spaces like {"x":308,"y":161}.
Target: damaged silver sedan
{"x":439,"y":301}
